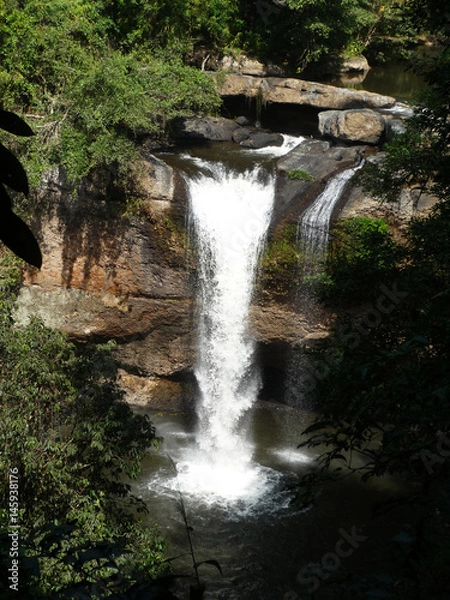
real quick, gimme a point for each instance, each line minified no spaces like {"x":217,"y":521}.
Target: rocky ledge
{"x":131,"y":278}
{"x":298,"y":91}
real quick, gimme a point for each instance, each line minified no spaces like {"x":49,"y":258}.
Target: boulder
{"x":301,"y":92}
{"x":251,"y":137}
{"x":356,"y":64}
{"x":249,"y":66}
{"x":319,"y":159}
{"x":242,"y":133}
{"x":261,"y":139}
{"x":351,"y":71}
{"x":216,"y":129}
{"x":243,"y":121}
{"x":361,"y":126}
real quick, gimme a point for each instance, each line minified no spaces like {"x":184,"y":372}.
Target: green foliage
{"x":98,"y":77}
{"x":11,"y":276}
{"x":299,"y":174}
{"x":91,"y":98}
{"x":386,"y":388}
{"x":280,"y":261}
{"x":304,"y":32}
{"x":177,"y":24}
{"x":394,"y":35}
{"x":362,"y":254}
{"x":66,"y":431}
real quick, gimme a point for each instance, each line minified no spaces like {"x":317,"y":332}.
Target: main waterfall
{"x":230,"y":213}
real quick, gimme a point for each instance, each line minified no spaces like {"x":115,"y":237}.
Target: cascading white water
{"x":230,"y":213}
{"x":315,"y":223}
{"x":289,"y":143}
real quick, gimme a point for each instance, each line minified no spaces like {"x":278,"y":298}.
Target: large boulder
{"x":252,"y":138}
{"x":355,"y":126}
{"x":249,"y":66}
{"x":298,"y":91}
{"x":216,"y":129}
{"x":351,"y":71}
{"x":355,"y":64}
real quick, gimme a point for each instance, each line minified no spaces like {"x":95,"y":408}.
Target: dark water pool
{"x":264,"y":544}
{"x":399,"y":80}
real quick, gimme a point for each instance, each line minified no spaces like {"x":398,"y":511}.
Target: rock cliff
{"x":108,"y":274}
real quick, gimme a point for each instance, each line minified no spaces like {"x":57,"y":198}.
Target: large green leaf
{"x":14,"y":124}
{"x":12,"y":173}
{"x":15,"y":234}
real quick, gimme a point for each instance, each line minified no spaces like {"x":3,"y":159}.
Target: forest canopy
{"x":95,"y":78}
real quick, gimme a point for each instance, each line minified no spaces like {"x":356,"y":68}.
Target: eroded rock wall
{"x":131,"y":278}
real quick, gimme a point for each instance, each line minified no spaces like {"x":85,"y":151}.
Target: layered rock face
{"x":131,"y":278}
{"x":116,"y":277}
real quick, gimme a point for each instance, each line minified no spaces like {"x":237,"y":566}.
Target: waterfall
{"x":313,"y":234}
{"x":315,"y":223}
{"x":230,"y":213}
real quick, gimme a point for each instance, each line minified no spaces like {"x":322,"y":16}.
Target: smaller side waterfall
{"x":315,"y":223}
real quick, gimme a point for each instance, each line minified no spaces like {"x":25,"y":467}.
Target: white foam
{"x":290,"y":455}
{"x":230,"y":213}
{"x":315,"y":223}
{"x":289,"y":143}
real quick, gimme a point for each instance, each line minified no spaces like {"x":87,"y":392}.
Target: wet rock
{"x":320,"y":160}
{"x":242,"y":133}
{"x":242,"y":121}
{"x":216,"y":129}
{"x":257,"y":139}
